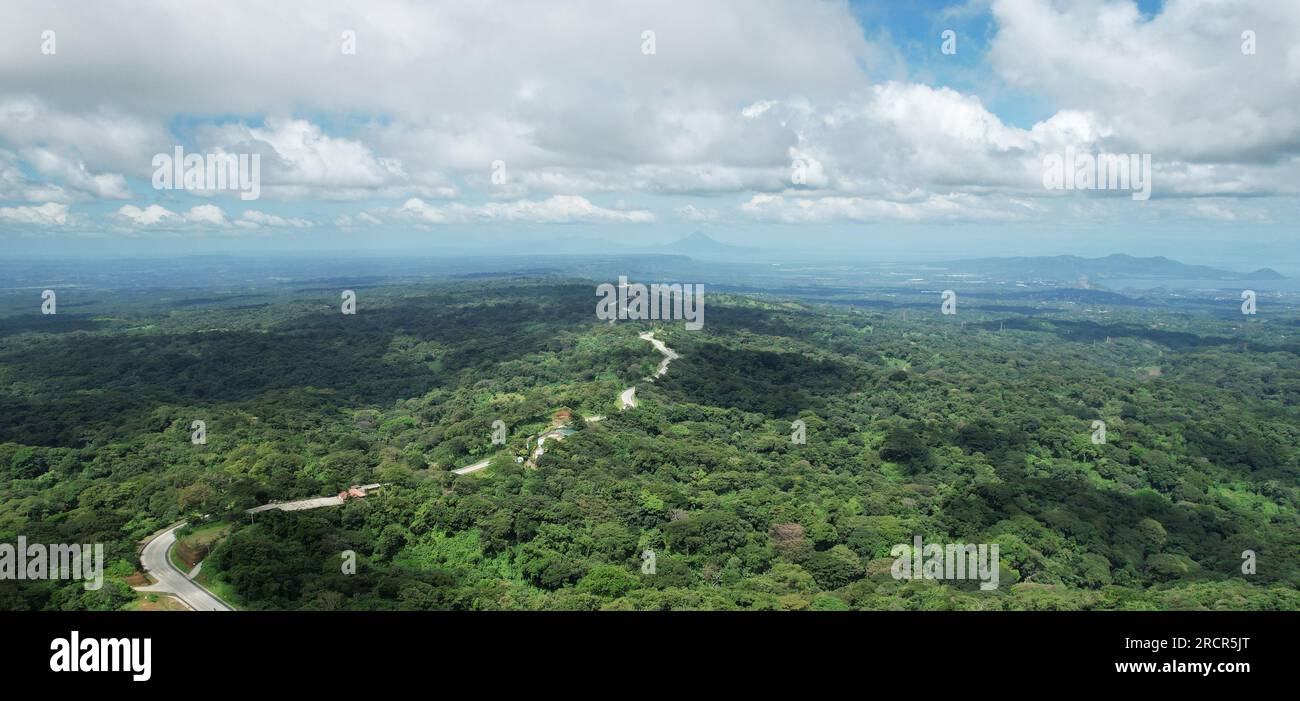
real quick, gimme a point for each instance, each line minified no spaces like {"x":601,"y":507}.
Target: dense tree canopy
{"x":959,"y":433}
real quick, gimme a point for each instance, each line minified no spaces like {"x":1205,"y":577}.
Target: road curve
{"x":171,"y":580}
{"x":669,"y":354}
{"x":628,"y":396}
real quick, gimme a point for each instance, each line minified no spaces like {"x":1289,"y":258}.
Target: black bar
{"x":326,"y":650}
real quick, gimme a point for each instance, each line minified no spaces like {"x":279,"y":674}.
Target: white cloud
{"x":264,"y":219}
{"x":592,"y":109}
{"x":74,"y":174}
{"x":437,"y":92}
{"x":298,"y":159}
{"x":47,"y":215}
{"x":820,"y":210}
{"x":464,"y":59}
{"x":147,"y":216}
{"x":207,"y":214}
{"x":559,"y":209}
{"x":89,"y":152}
{"x":16,"y":186}
{"x":204,"y":215}
{"x":1176,"y":85}
{"x":347,"y":221}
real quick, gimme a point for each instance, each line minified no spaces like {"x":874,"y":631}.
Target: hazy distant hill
{"x":700,"y":245}
{"x":1117,"y":265}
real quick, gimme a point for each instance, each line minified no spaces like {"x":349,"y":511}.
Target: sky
{"x":893,"y":128}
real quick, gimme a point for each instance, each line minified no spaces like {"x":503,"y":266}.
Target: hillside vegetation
{"x":977,"y":432}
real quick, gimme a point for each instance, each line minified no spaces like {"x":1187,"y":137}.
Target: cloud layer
{"x":554,"y":113}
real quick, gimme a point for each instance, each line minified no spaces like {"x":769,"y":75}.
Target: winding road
{"x":628,"y":396}
{"x":171,"y":580}
{"x":669,"y":354}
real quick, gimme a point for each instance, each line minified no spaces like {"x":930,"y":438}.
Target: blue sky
{"x":819,"y":124}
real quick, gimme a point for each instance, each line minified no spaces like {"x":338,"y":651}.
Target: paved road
{"x":171,"y":580}
{"x":303,"y":504}
{"x":669,"y":354}
{"x":472,"y":468}
{"x":628,"y":397}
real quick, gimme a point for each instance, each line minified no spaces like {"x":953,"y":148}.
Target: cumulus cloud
{"x":74,"y":174}
{"x":263,"y":219}
{"x":1176,"y":85}
{"x":16,"y":186}
{"x":49,"y":214}
{"x":298,"y":159}
{"x":347,"y":221}
{"x":147,"y":216}
{"x":103,"y":136}
{"x":465,"y":59}
{"x":206,"y":215}
{"x":88,"y":152}
{"x":786,"y":114}
{"x":816,"y":210}
{"x":559,"y":209}
{"x":593,"y":112}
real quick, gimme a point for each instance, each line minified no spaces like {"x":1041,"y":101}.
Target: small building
{"x":356,"y":492}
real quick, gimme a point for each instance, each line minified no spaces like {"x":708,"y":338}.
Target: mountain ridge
{"x":1113,"y":265}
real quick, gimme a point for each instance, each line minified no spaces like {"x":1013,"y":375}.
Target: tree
{"x":608,"y":581}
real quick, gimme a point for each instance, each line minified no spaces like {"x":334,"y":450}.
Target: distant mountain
{"x":1112,"y":266}
{"x":700,"y":245}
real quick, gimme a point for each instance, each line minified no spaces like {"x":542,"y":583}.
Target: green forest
{"x":973,"y":428}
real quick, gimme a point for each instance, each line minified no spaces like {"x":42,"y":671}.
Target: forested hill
{"x":973,"y":428}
